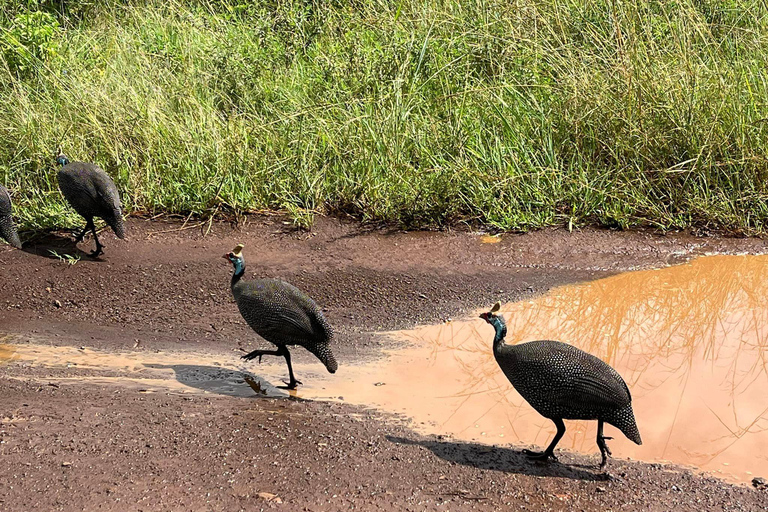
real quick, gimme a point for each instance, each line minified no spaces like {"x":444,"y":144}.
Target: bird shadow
{"x":54,"y":246}
{"x":223,"y":381}
{"x":496,"y":458}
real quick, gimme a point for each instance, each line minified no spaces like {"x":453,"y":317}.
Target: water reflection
{"x":690,"y":341}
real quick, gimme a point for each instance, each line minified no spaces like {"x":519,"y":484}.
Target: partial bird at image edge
{"x":7,"y":226}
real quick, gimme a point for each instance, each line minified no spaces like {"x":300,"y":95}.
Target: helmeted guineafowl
{"x":562,"y":382}
{"x":281,"y":314}
{"x":92,"y":193}
{"x":7,"y":227}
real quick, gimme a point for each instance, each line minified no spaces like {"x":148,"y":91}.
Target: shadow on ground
{"x":499,"y":459}
{"x":54,"y":246}
{"x":222,"y":381}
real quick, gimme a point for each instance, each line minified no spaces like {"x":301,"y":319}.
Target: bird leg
{"x":604,"y":451}
{"x":549,"y":453}
{"x":282,"y":350}
{"x":258,"y":353}
{"x":98,"y":251}
{"x":79,"y":237}
{"x":293,"y":381}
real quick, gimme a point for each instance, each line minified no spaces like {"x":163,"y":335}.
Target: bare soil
{"x":91,"y":446}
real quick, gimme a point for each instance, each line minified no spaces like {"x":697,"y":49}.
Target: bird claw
{"x":291,"y":384}
{"x":250,"y":356}
{"x":544,"y":456}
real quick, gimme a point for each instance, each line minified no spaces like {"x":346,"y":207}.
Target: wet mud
{"x":123,"y":387}
{"x":689,"y":340}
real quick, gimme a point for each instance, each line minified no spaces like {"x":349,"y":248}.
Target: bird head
{"x":236,"y":258}
{"x":61,"y":158}
{"x":489,"y":316}
{"x":497,"y":321}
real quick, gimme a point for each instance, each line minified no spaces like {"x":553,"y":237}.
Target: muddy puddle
{"x":691,"y":342}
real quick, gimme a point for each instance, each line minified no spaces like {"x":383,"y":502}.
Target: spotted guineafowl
{"x":7,"y":227}
{"x":562,"y":382}
{"x":281,"y":314}
{"x":92,"y":193}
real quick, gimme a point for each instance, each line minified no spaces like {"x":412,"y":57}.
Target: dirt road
{"x":76,"y":435}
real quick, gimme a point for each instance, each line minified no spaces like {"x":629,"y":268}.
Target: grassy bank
{"x":513,"y":114}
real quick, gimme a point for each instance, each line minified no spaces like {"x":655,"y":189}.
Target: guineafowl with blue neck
{"x":281,"y":314}
{"x":92,"y":193}
{"x":7,"y":227}
{"x":562,"y":382}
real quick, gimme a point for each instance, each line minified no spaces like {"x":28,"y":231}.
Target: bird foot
{"x":290,"y":384}
{"x":544,"y":456}
{"x":259,"y":353}
{"x":96,"y":253}
{"x":604,"y":451}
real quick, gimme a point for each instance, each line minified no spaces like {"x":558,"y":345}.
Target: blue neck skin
{"x":62,"y":160}
{"x":501,"y":331}
{"x":239,"y":264}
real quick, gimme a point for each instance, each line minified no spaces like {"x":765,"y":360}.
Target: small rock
{"x":66,"y":464}
{"x":57,"y":303}
{"x":760,"y":483}
{"x":600,"y":489}
{"x":268,"y":496}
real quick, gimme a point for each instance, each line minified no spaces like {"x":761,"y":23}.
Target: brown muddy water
{"x":689,"y":340}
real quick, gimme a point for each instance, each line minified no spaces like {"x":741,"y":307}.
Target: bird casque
{"x":562,"y":382}
{"x":7,"y":227}
{"x":281,"y":314}
{"x":92,"y":193}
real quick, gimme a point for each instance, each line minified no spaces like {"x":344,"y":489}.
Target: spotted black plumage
{"x":281,"y":314}
{"x":7,"y":227}
{"x":92,"y":193}
{"x":562,"y":382}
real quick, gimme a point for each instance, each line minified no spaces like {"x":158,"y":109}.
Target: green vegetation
{"x":509,"y":113}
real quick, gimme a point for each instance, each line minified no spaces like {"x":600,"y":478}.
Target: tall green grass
{"x":512,"y":114}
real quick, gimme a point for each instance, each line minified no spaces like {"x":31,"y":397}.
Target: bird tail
{"x":8,"y":231}
{"x":324,"y":354}
{"x":624,"y":420}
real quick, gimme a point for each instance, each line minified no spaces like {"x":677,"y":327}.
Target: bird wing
{"x":570,"y":377}
{"x":106,"y":189}
{"x":5,"y":201}
{"x":596,"y":390}
{"x":272,"y":314}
